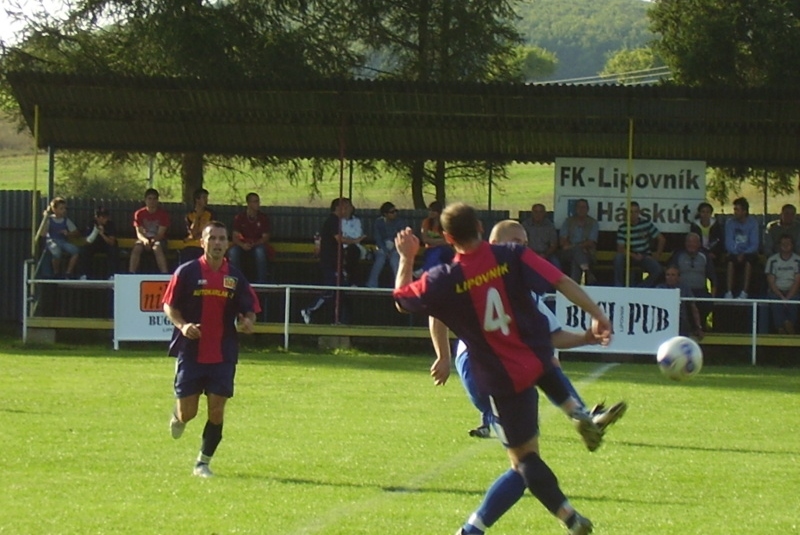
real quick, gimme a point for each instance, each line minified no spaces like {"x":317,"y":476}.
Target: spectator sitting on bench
{"x":783,"y":281}
{"x":354,"y":252}
{"x":709,"y":228}
{"x":58,"y":229}
{"x":384,"y":230}
{"x":696,"y":271}
{"x":579,"y":234}
{"x":151,"y":223}
{"x":101,"y":238}
{"x":643,"y":232}
{"x":542,"y":234}
{"x":251,"y":233}
{"x":196,"y":221}
{"x":437,"y":250}
{"x":741,"y":243}
{"x":689,"y":318}
{"x":786,"y":224}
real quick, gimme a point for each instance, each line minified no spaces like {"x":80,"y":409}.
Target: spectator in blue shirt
{"x":741,"y":243}
{"x":384,"y":230}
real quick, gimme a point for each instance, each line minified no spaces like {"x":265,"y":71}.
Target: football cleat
{"x":580,"y":526}
{"x":480,"y":432}
{"x":176,"y":427}
{"x":603,"y":417}
{"x":591,"y":434}
{"x":202,"y":470}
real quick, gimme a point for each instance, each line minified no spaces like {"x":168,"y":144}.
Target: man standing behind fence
{"x":203,"y":300}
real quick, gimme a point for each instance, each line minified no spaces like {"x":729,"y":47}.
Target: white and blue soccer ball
{"x":680,"y":358}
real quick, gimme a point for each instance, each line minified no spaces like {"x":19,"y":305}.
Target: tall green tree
{"x":282,"y":39}
{"x":732,"y":43}
{"x":442,"y":41}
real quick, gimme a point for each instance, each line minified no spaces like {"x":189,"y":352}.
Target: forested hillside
{"x":582,"y":33}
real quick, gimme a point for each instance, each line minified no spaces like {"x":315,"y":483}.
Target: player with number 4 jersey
{"x":483,"y":296}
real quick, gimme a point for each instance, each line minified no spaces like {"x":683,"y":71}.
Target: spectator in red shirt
{"x":151,"y":223}
{"x":251,"y":230}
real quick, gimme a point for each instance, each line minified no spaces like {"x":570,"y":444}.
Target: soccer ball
{"x":680,"y":358}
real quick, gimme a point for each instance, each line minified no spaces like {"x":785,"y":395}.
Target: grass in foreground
{"x":354,"y":443}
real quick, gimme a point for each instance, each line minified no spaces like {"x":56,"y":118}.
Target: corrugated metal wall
{"x":15,"y":244}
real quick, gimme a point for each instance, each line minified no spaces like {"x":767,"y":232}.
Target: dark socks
{"x":542,"y":482}
{"x":212,"y":436}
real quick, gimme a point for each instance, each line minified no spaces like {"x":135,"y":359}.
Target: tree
{"x":442,"y":41}
{"x":583,"y":33}
{"x":735,"y":43}
{"x":287,"y":40}
{"x":739,"y":43}
{"x":632,"y":66}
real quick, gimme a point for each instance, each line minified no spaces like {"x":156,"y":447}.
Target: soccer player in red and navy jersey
{"x":204,"y":299}
{"x":484,"y":298}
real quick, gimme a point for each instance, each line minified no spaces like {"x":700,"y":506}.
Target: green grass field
{"x":349,"y":442}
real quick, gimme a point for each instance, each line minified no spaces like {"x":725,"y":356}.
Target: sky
{"x":9,"y":29}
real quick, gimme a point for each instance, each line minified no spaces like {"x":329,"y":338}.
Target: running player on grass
{"x":211,"y":293}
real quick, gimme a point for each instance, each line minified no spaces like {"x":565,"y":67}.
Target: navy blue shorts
{"x":516,"y":417}
{"x":192,"y":378}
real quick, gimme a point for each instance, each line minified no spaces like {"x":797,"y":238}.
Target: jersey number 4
{"x":495,"y":317}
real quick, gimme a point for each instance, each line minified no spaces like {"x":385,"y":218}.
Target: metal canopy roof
{"x":393,"y":120}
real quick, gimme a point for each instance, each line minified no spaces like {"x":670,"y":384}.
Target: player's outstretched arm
{"x":407,"y":246}
{"x":601,"y":326}
{"x":440,"y":369}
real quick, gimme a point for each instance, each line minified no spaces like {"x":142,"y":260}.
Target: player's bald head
{"x":509,"y":231}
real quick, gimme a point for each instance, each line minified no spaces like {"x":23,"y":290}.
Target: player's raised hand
{"x":407,"y":243}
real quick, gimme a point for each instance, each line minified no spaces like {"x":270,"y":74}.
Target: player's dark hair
{"x":461,"y":222}
{"x":251,"y":195}
{"x":742,"y":203}
{"x":215,"y":224}
{"x":151,"y":191}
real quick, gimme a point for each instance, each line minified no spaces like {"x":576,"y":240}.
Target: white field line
{"x":322,"y":521}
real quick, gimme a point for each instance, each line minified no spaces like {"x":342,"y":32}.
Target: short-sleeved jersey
{"x":150,"y":221}
{"x":251,"y":230}
{"x":552,"y":322}
{"x":785,"y":271}
{"x":484,"y":298}
{"x":642,"y":233}
{"x":204,"y":219}
{"x":213,"y":299}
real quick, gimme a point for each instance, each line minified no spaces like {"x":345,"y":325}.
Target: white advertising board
{"x":642,"y":318}
{"x":138,"y":312}
{"x":668,"y":191}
